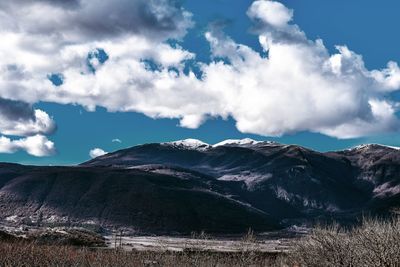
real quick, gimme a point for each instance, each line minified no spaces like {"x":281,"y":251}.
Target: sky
{"x":79,"y":78}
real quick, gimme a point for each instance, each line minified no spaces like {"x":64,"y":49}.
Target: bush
{"x":31,"y":254}
{"x":67,"y":237}
{"x":374,"y":243}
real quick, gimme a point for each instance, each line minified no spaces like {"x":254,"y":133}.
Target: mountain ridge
{"x":188,"y":185}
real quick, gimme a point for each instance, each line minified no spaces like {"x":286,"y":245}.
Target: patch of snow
{"x":245,"y":141}
{"x":90,"y":222}
{"x":394,"y":147}
{"x":61,"y":231}
{"x":368,"y":146}
{"x":188,"y":144}
{"x":283,"y":194}
{"x":360,"y":147}
{"x":250,"y":179}
{"x":13,"y":218}
{"x":176,"y":173}
{"x":55,"y":219}
{"x":386,"y":190}
{"x":145,"y":167}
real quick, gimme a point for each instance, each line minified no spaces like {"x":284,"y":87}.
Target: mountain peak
{"x":188,"y":144}
{"x":371,"y":146}
{"x":245,"y":141}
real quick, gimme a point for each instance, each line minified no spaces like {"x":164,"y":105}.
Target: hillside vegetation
{"x":374,"y":243}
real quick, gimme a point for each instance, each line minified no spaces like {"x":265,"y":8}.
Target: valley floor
{"x":60,"y":246}
{"x":374,"y":242}
{"x":272,"y":242}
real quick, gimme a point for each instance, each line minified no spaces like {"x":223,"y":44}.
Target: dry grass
{"x":31,"y":254}
{"x":374,"y":243}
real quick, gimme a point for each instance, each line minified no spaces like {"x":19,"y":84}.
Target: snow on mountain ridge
{"x":188,"y":144}
{"x":245,"y":141}
{"x":367,"y":146}
{"x":196,"y":144}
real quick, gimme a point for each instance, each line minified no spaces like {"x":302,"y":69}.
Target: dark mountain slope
{"x":133,"y":198}
{"x":284,"y":181}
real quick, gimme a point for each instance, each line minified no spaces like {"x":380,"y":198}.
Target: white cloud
{"x":40,"y":123}
{"x":84,"y":20}
{"x":37,"y":145}
{"x":46,"y":37}
{"x":116,"y":140}
{"x":271,"y":12}
{"x":19,"y":118}
{"x":298,"y":86}
{"x":96,"y":152}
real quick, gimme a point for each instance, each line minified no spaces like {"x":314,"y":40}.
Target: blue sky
{"x":367,"y":27}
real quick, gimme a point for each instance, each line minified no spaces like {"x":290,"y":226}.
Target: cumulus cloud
{"x":75,"y":20}
{"x":296,"y":85}
{"x":96,"y":152}
{"x":37,"y":145}
{"x":20,"y":119}
{"x":299,"y":86}
{"x":271,"y":12}
{"x":43,"y":38}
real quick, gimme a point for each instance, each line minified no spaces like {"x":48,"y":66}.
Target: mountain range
{"x":188,"y":185}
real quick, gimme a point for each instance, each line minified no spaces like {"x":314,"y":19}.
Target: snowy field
{"x":265,"y":243}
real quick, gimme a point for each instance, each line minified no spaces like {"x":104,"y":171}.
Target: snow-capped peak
{"x":188,"y":144}
{"x":246,"y":141}
{"x":368,"y":146}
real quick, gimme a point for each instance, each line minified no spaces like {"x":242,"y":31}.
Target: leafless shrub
{"x":196,"y":249}
{"x":249,"y":248}
{"x":18,"y":254}
{"x":374,"y":243}
{"x":201,"y":236}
